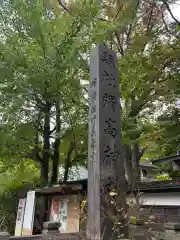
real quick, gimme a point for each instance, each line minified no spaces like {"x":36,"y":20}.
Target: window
{"x":144,"y":173}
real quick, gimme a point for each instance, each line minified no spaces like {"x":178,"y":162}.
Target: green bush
{"x":9,"y":200}
{"x":164,"y":176}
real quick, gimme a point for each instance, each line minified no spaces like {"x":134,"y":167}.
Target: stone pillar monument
{"x":105,"y":161}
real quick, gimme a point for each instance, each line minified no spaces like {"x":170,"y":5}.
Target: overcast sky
{"x":176,"y":10}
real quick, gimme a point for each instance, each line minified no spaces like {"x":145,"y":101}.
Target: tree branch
{"x":64,"y":7}
{"x":149,"y":21}
{"x":131,"y":25}
{"x":67,"y":161}
{"x":120,"y":47}
{"x":53,"y":130}
{"x":70,"y":119}
{"x":78,"y":158}
{"x":85,"y":89}
{"x":166,"y":27}
{"x":169,"y":10}
{"x":34,"y":155}
{"x":40,"y":103}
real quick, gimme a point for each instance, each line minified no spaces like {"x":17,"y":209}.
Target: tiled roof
{"x":166,"y":159}
{"x":159,"y":186}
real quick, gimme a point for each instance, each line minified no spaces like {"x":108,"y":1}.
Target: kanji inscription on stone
{"x":105,"y":159}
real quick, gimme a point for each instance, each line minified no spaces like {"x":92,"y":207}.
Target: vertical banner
{"x":20,"y":217}
{"x":63,"y":216}
{"x":29,"y":214}
{"x":54,"y":216}
{"x":59,"y":213}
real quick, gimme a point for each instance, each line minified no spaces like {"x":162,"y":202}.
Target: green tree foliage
{"x":163,"y":138}
{"x":168,"y":131}
{"x":15,"y":181}
{"x":42,"y":97}
{"x":44,"y":49}
{"x":44,"y":53}
{"x":148,"y":67}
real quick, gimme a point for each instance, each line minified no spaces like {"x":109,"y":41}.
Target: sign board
{"x":20,"y":217}
{"x":29,"y":214}
{"x":54,"y":210}
{"x":63,"y":215}
{"x":59,"y":213}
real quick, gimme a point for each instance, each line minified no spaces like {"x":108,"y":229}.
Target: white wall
{"x":159,"y":199}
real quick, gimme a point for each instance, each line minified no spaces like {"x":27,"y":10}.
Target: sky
{"x":176,"y":10}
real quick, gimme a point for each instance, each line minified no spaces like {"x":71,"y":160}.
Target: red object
{"x":56,"y":206}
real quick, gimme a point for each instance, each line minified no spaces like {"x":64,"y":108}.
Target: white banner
{"x":63,"y":215}
{"x":20,"y":217}
{"x":29,"y":214}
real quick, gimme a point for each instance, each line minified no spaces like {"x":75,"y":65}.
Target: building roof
{"x":79,"y":186}
{"x":158,"y":186}
{"x":68,"y":188}
{"x":164,"y":160}
{"x":148,"y":165}
{"x":78,"y":180}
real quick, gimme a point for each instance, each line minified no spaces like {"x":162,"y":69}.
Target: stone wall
{"x":170,"y":231}
{"x":34,"y":237}
{"x":50,"y":232}
{"x":60,"y":236}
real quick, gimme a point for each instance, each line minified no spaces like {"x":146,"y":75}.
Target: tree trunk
{"x":56,"y":155}
{"x":68,"y":162}
{"x":46,"y":145}
{"x":132,"y":156}
{"x":43,"y":173}
{"x":136,"y":156}
{"x":128,"y":164}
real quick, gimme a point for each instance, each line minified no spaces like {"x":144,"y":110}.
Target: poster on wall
{"x":63,"y":216}
{"x":59,"y":213}
{"x":20,"y":217}
{"x":29,"y":214}
{"x":55,"y":210}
